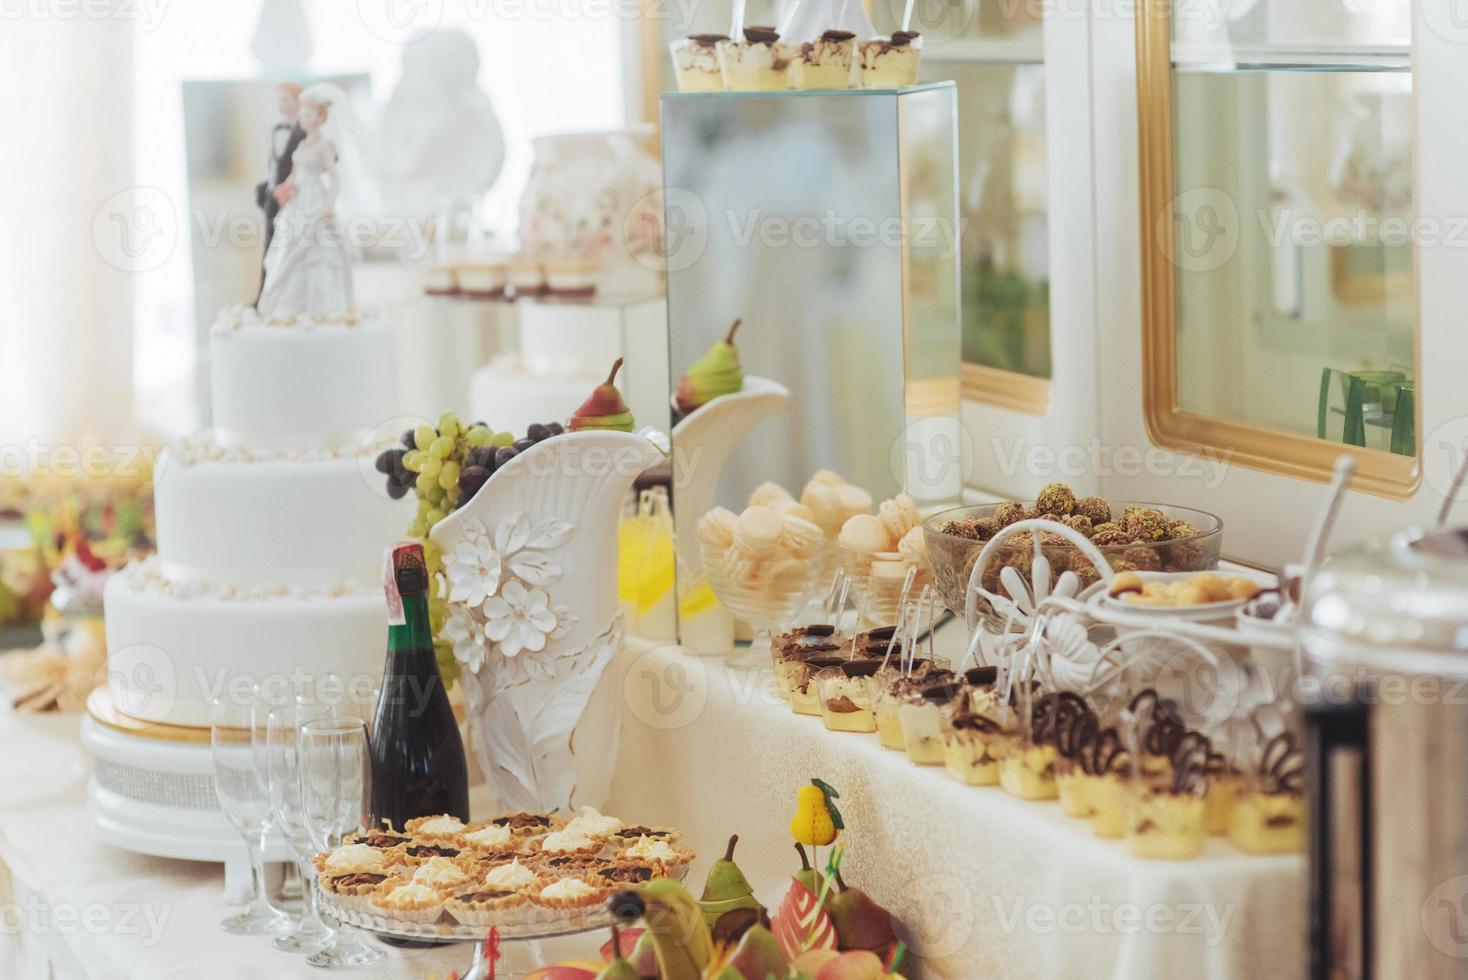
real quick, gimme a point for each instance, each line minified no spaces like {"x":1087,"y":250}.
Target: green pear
{"x":604,"y":409}
{"x":717,"y":372}
{"x":808,"y":876}
{"x":726,"y":889}
{"x":618,"y":968}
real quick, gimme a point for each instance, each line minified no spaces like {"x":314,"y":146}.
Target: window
{"x":1278,"y":229}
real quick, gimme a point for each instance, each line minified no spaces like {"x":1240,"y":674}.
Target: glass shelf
{"x":1198,"y":58}
{"x":826,"y":93}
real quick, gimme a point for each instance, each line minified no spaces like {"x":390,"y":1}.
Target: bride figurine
{"x":307,"y":268}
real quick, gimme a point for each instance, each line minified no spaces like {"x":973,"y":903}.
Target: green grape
{"x":431,"y":467}
{"x":434,"y":493}
{"x":434,"y":516}
{"x":423,"y":507}
{"x":423,"y":436}
{"x":503,"y":439}
{"x":477,"y":436}
{"x":448,"y":425}
{"x":418,"y":528}
{"x":453,"y":495}
{"x":448,"y":475}
{"x":412,"y":459}
{"x":441,"y":447}
{"x":426,"y":483}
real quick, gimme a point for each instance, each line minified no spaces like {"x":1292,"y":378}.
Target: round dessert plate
{"x":1204,"y":612}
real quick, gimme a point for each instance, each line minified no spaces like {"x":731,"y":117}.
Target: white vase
{"x":591,"y":195}
{"x":531,"y":562}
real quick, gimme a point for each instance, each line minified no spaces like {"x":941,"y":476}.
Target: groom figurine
{"x":285,"y":136}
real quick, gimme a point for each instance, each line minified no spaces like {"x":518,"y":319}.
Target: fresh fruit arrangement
{"x":445,"y":466}
{"x":718,"y":372}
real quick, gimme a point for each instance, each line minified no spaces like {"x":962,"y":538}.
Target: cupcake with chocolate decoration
{"x":826,"y":62}
{"x":759,"y":63}
{"x":1269,"y":817}
{"x":1076,"y":730}
{"x":1028,"y":768}
{"x":891,"y":61}
{"x":696,"y":63}
{"x":1168,"y":820}
{"x":973,"y":745}
{"x":1106,"y":783}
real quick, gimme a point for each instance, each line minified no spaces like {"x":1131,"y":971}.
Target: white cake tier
{"x":508,"y":397}
{"x":301,"y":384}
{"x":171,"y":654}
{"x":319,"y":522}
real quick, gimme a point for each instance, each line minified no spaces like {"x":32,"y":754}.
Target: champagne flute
{"x":333,"y":759}
{"x":283,"y":770}
{"x":235,"y":737}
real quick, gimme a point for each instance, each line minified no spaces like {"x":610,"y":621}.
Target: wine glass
{"x":283,"y":731}
{"x":236,"y":738}
{"x":334,"y":768}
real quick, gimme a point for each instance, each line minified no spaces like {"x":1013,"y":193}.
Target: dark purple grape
{"x":537,"y":432}
{"x":408,"y":440}
{"x":556,"y":428}
{"x":523,"y":444}
{"x":471,"y":478}
{"x":396,"y":490}
{"x":384,"y":462}
{"x":482,"y":456}
{"x":504,"y":454}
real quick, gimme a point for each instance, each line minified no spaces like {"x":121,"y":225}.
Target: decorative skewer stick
{"x":1452,"y":495}
{"x":1345,"y":468}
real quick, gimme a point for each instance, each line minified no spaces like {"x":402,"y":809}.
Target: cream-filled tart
{"x":441,"y":873}
{"x":631,"y":835}
{"x":759,"y":63}
{"x":418,"y":852}
{"x":890,"y":62}
{"x":659,"y":852}
{"x":491,"y":838}
{"x":593,"y":823}
{"x":528,"y":824}
{"x":620,"y":873}
{"x":400,"y":898}
{"x":513,"y":876}
{"x":441,"y":827}
{"x":826,"y":62}
{"x":383,"y":840}
{"x":570,"y":893}
{"x":568,"y":842}
{"x":350,"y":858}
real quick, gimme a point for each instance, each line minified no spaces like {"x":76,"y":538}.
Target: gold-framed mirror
{"x":1278,"y":229}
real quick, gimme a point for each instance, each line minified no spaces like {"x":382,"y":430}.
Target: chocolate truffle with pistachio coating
{"x":1057,"y":499}
{"x":1008,"y":513}
{"x":1097,"y":509}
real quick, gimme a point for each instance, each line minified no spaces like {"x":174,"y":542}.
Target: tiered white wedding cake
{"x":271,"y":526}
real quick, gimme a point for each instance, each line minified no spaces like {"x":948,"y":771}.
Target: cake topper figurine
{"x":307,"y":267}
{"x":285,"y":136}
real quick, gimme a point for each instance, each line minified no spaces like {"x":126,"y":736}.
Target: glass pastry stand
{"x":766,"y":596}
{"x":520,"y":938}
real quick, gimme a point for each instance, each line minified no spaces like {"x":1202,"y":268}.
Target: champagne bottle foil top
{"x":410,"y":569}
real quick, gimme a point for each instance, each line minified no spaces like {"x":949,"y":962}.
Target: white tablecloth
{"x":988,"y":886}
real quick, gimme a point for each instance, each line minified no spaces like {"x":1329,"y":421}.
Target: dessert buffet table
{"x":987,"y":885}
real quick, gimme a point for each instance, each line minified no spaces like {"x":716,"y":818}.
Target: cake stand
{"x":527,"y":933}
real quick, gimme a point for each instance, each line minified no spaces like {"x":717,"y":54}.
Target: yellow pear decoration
{"x":817,"y":821}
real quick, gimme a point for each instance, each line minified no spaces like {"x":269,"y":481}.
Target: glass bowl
{"x":876,"y":582}
{"x":765,"y":593}
{"x":952,"y":556}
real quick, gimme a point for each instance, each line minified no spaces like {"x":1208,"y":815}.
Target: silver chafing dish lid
{"x":1398,"y":604}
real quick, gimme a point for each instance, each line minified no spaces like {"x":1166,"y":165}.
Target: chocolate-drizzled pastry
{"x":1190,"y":765}
{"x":1075,"y":732}
{"x":432,"y":850}
{"x":761,"y":35}
{"x":1051,"y":712}
{"x":488,"y":895}
{"x":1103,"y":754}
{"x":1282,"y":766}
{"x":357,"y":878}
{"x":1159,"y":732}
{"x":835,"y":35}
{"x":624,"y":873}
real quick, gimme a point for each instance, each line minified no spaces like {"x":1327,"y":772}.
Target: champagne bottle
{"x":418,"y":766}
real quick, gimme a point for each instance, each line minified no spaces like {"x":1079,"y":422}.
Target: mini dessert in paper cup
{"x":528,"y":824}
{"x":353,"y":891}
{"x":891,"y":61}
{"x":510,"y":876}
{"x":826,"y":62}
{"x":489,"y":838}
{"x":696,"y":63}
{"x":407,"y":901}
{"x":671,"y":859}
{"x":436,"y":828}
{"x":628,"y":836}
{"x":384,"y":839}
{"x":567,"y":843}
{"x":594,"y":824}
{"x":443,"y":874}
{"x":623,"y":872}
{"x":418,"y":852}
{"x":357,"y":857}
{"x":569,"y":894}
{"x":759,"y":63}
{"x":484,"y":906}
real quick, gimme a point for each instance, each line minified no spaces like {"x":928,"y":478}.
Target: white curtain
{"x":70,"y":226}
